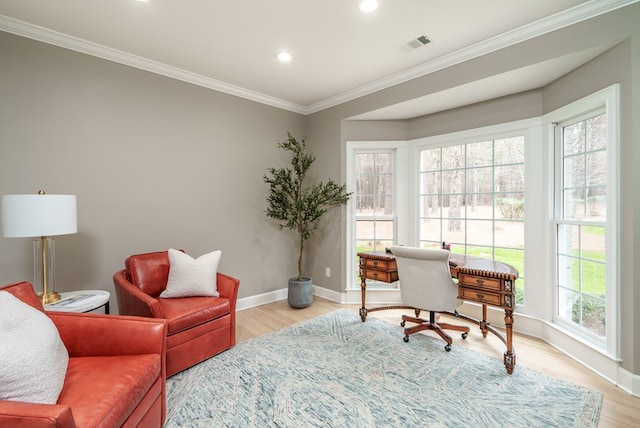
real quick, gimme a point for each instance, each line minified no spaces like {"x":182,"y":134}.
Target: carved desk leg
{"x":509,"y":355}
{"x":484,"y":324}
{"x":363,"y":296}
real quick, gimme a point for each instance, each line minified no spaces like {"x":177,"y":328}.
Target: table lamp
{"x":40,"y":216}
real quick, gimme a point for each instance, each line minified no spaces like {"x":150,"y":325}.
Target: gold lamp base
{"x":49,"y":297}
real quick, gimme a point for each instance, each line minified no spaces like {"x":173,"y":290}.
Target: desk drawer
{"x":480,"y":282}
{"x":379,"y":264}
{"x":379,"y":275}
{"x":480,"y":296}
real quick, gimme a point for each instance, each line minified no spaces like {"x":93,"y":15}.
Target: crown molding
{"x":21,"y":28}
{"x":562,"y":19}
{"x":546,"y":25}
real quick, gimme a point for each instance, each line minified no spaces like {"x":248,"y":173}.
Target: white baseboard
{"x":375,"y":297}
{"x":277,"y":295}
{"x":325,"y":293}
{"x":261,"y":299}
{"x":629,"y":382}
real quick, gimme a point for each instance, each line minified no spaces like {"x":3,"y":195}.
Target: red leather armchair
{"x":198,"y":327}
{"x":115,"y":376}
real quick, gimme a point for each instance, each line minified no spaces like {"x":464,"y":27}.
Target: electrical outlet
{"x":327,"y":272}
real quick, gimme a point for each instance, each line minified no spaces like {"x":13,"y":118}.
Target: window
{"x":472,"y":197}
{"x":552,"y":180}
{"x":585,"y":219}
{"x":581,"y":224}
{"x":374,"y":199}
{"x":461,"y":188}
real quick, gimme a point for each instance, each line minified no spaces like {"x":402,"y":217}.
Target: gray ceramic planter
{"x":300,"y":293}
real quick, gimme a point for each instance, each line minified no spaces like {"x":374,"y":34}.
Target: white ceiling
{"x":339,"y":52}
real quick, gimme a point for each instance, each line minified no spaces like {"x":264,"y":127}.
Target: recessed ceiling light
{"x":284,"y":56}
{"x":368,"y":5}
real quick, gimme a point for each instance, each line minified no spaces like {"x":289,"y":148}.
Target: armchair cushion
{"x":129,"y":379}
{"x":183,"y":314}
{"x":32,"y":356}
{"x":149,"y":272}
{"x":189,"y":277}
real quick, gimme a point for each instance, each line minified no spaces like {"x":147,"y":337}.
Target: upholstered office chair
{"x":426,"y":284}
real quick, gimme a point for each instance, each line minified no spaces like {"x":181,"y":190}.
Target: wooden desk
{"x":483,"y":281}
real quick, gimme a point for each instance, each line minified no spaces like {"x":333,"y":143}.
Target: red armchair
{"x":115,"y":376}
{"x":198,"y":327}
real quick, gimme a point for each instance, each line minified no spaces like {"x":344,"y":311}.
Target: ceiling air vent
{"x":414,"y":44}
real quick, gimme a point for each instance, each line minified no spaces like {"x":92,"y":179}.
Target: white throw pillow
{"x":33,"y":359}
{"x":192,"y":277}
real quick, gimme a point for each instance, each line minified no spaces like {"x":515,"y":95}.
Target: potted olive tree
{"x":299,"y":207}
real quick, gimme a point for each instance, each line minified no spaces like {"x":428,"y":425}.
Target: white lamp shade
{"x":38,"y":215}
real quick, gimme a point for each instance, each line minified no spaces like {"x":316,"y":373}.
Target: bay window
{"x":468,"y":189}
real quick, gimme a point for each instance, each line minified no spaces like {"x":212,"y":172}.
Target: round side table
{"x":80,"y":301}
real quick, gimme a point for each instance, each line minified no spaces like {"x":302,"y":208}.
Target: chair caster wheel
{"x":403,"y":323}
{"x":447,"y":347}
{"x":464,"y":335}
{"x":406,"y":338}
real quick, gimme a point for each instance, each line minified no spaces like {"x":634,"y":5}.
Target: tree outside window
{"x":472,"y":196}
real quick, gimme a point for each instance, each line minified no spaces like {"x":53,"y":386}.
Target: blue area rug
{"x":335,"y":371}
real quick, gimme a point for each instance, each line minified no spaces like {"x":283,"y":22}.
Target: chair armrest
{"x":228,"y":288}
{"x":17,"y":414}
{"x":110,"y":335}
{"x":132,"y":300}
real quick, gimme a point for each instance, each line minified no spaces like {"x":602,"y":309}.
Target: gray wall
{"x":155,"y":163}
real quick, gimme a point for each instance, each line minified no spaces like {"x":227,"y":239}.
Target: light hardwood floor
{"x":619,"y":409}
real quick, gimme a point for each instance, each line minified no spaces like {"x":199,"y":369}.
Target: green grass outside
{"x":593,"y":274}
{"x":594,"y":230}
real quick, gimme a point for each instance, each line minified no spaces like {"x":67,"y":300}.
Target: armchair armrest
{"x":228,"y":288}
{"x":132,"y":300}
{"x":17,"y":414}
{"x":109,"y":335}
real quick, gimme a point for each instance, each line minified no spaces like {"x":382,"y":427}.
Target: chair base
{"x":431,"y":324}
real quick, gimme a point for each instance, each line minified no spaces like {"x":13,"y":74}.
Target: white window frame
{"x":406,"y":177}
{"x":399,"y":148}
{"x":609,"y":99}
{"x":393,"y":217}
